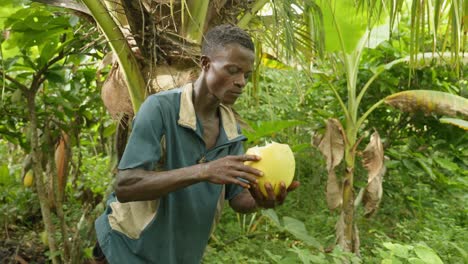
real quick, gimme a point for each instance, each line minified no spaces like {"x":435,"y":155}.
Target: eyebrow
{"x":236,"y":65}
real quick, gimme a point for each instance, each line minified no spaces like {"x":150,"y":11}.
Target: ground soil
{"x":21,"y":245}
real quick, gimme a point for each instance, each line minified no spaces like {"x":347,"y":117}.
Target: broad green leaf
{"x":7,"y":8}
{"x":426,"y":254}
{"x":456,"y":122}
{"x":271,"y":214}
{"x":398,"y":250}
{"x":429,"y":102}
{"x":351,"y":24}
{"x":416,"y":261}
{"x":298,"y":229}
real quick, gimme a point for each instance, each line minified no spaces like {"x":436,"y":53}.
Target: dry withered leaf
{"x":373,"y":161}
{"x":332,"y":147}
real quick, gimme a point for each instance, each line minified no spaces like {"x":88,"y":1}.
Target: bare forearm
{"x":243,"y":203}
{"x":141,"y":185}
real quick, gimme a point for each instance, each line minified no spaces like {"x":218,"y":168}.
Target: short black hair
{"x":223,"y":35}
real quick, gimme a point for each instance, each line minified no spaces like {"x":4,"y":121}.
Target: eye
{"x":233,"y":70}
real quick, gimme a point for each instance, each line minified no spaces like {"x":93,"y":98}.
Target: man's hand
{"x":231,"y":169}
{"x":272,"y":200}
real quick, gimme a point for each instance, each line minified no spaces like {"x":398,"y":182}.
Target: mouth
{"x":236,"y":93}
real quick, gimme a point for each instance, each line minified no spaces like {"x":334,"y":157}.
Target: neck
{"x":205,"y":103}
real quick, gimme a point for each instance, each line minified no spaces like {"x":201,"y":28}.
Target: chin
{"x":229,"y":101}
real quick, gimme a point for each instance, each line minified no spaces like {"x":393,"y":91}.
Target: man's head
{"x":227,"y":62}
{"x":220,"y":36}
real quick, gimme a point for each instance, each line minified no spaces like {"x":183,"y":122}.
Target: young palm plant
{"x":341,"y":139}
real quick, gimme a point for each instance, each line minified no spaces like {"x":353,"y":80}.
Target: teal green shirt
{"x":175,"y":228}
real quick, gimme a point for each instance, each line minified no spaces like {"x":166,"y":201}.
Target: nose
{"x":240,"y":81}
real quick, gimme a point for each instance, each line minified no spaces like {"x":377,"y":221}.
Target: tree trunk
{"x":38,"y":174}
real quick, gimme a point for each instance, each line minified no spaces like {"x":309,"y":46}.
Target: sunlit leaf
{"x":271,"y":62}
{"x":456,"y":122}
{"x":110,"y":130}
{"x":415,"y":261}
{"x":426,"y":254}
{"x":429,"y":102}
{"x":399,"y":250}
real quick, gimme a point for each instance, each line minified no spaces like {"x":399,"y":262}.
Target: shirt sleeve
{"x":143,"y":148}
{"x":232,"y":190}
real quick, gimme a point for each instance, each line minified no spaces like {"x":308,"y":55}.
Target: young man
{"x":183,"y":159}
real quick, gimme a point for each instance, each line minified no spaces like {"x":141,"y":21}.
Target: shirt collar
{"x":188,"y":118}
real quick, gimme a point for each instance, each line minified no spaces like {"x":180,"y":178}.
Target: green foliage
{"x":294,"y":227}
{"x":17,"y":203}
{"x":417,"y":254}
{"x":422,"y":216}
{"x":93,"y":167}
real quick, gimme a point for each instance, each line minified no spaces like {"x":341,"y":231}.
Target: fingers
{"x":248,"y":170}
{"x":247,"y":176}
{"x":271,"y":200}
{"x":282,"y":193}
{"x":248,"y":158}
{"x":293,"y":186}
{"x":257,"y":194}
{"x":239,"y":181}
{"x":270,"y":191}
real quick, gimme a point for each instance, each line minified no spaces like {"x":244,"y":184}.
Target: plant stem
{"x":244,"y":21}
{"x":364,"y":116}
{"x":129,"y":65}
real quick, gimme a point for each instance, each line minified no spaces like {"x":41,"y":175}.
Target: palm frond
{"x":441,"y":19}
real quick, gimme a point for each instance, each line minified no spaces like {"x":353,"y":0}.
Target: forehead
{"x":233,"y":54}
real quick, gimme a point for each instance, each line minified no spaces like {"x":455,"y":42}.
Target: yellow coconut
{"x":28,"y":179}
{"x":277,"y":164}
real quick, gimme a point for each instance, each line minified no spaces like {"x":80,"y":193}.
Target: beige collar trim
{"x":187,"y":116}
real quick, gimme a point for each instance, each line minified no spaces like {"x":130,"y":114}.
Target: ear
{"x":205,"y":62}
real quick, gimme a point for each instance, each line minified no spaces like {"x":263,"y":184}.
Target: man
{"x":183,"y":159}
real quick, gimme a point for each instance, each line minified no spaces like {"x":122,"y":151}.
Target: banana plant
{"x":347,"y":36}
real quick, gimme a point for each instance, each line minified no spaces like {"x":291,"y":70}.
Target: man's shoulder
{"x":171,"y":94}
{"x":165,"y":99}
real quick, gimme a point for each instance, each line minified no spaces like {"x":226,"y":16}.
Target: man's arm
{"x":142,"y":185}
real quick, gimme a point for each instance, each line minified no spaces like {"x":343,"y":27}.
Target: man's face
{"x":227,"y":72}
